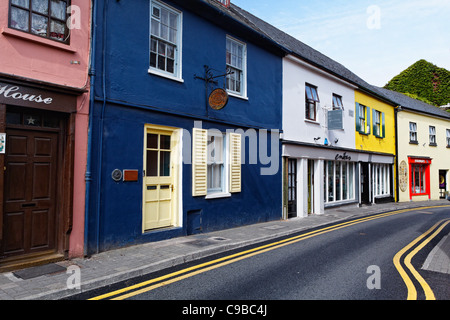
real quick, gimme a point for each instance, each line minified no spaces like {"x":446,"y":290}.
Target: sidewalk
{"x":121,"y":264}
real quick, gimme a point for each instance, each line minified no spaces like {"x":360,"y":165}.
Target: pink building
{"x":44,"y":116}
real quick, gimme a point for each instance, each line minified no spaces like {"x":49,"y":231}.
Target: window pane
{"x":338,"y":181}
{"x":57,"y":30}
{"x":152,"y":163}
{"x":19,"y":19}
{"x":22,"y":3}
{"x":40,"y":6}
{"x":164,"y":164}
{"x":152,"y":141}
{"x":330,"y":181}
{"x":13,"y":118}
{"x":155,"y":27}
{"x":31,"y":120}
{"x":344,"y":181}
{"x":164,"y":142}
{"x":58,"y":9}
{"x":39,"y":24}
{"x":350,"y":181}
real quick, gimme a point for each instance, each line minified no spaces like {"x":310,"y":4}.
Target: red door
{"x":29,"y":224}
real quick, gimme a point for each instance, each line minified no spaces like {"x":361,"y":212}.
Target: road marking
{"x":210,"y":265}
{"x":412,"y":292}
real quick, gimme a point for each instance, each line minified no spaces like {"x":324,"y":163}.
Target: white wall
{"x":295,"y":74}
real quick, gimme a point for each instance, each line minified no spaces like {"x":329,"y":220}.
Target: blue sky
{"x":375,"y":39}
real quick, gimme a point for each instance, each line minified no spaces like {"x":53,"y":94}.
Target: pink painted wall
{"x":34,"y":57}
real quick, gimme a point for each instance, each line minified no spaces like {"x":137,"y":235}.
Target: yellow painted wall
{"x":370,"y":142}
{"x":439,"y":154}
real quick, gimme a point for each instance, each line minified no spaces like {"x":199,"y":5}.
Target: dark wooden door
{"x":31,"y":161}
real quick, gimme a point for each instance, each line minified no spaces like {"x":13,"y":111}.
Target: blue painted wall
{"x":126,"y":97}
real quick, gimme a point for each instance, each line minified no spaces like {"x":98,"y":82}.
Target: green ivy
{"x":424,"y":81}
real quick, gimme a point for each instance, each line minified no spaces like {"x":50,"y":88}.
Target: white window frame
{"x":213,"y":160}
{"x":177,"y":74}
{"x":413,"y":132}
{"x":432,"y":132}
{"x":243,"y":69}
{"x":448,"y":138}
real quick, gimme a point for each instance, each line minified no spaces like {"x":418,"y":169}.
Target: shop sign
{"x":218,"y":99}
{"x":335,"y":120}
{"x":342,"y":157}
{"x":25,"y":96}
{"x":421,"y":161}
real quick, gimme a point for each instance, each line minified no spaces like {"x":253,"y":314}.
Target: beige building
{"x":423,"y":149}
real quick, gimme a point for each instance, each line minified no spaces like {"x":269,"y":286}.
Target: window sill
{"x":312,"y":121}
{"x":36,"y":39}
{"x":433,"y":144}
{"x":164,"y":75}
{"x":218,"y":195}
{"x":236,"y":95}
{"x":413,"y":142}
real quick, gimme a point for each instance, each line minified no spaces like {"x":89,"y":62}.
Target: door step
{"x":29,"y":260}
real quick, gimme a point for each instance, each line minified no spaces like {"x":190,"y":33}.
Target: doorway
{"x":292,"y":188}
{"x":160,"y":208}
{"x":442,"y":184}
{"x":365,"y":183}
{"x":32,"y":165}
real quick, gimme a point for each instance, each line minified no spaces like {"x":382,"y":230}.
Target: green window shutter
{"x":199,"y":163}
{"x":367,"y":121}
{"x":383,"y":132}
{"x":358,"y":125}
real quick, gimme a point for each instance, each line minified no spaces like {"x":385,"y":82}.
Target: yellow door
{"x":160,"y":178}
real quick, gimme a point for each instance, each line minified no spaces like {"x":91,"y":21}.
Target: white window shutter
{"x":199,"y":164}
{"x":235,"y":162}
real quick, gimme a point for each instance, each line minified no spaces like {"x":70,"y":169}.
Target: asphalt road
{"x":342,"y":262}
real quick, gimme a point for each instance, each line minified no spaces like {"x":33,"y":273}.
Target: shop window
{"x":418,"y":180}
{"x":381,"y":178}
{"x":338,"y":181}
{"x":44,"y":18}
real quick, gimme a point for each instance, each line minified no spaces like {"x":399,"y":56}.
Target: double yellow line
{"x":152,"y":284}
{"x":412,"y":292}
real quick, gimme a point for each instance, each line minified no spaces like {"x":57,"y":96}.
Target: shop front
{"x":317,"y":178}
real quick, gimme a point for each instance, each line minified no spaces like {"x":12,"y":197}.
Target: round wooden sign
{"x":218,"y":99}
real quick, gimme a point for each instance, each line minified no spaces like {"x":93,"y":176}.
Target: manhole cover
{"x":38,"y":271}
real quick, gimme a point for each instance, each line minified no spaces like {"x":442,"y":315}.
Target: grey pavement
{"x":121,"y":264}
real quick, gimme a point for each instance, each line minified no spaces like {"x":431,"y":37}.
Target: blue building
{"x":186,"y":111}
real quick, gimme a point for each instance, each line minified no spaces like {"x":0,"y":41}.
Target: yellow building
{"x":375,"y":136}
{"x":423,"y":149}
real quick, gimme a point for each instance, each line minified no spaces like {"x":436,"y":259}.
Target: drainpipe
{"x":88,"y":178}
{"x":396,"y":110}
